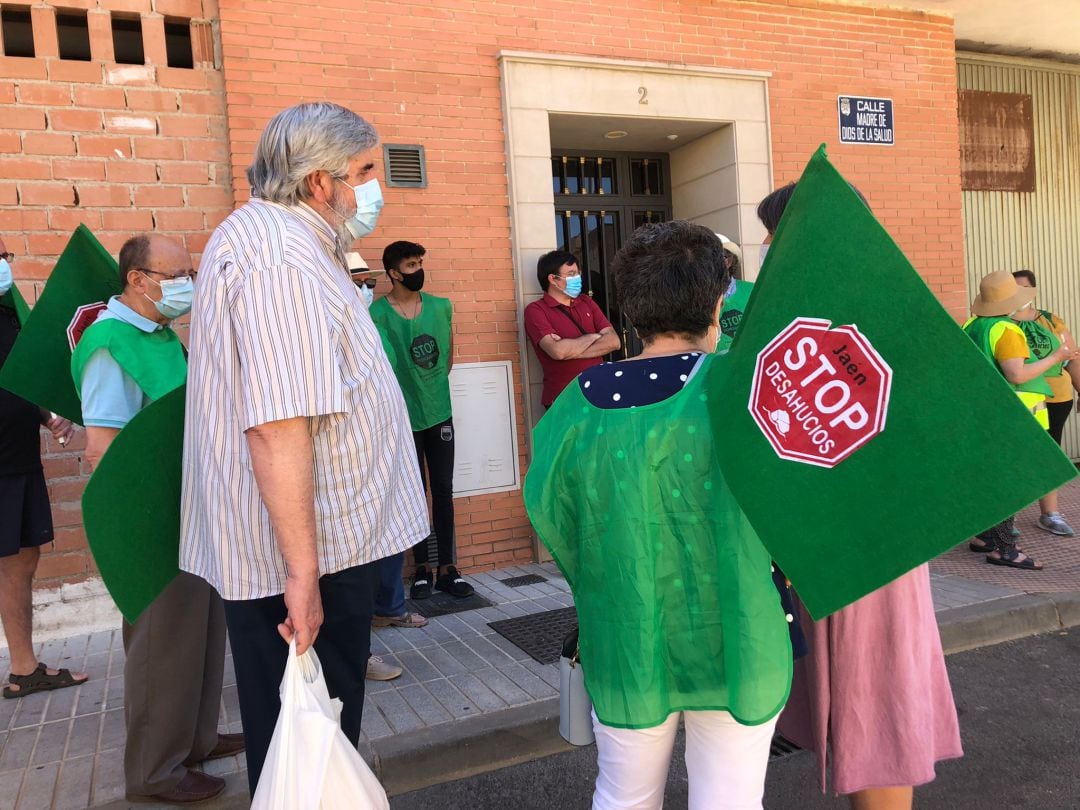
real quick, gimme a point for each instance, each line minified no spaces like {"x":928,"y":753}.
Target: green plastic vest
{"x":1043,"y":342}
{"x":419,"y":353}
{"x":978,"y":329}
{"x":731,"y":313}
{"x":155,"y":360}
{"x":675,"y":600}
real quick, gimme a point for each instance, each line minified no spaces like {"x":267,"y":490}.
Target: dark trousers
{"x":1058,"y":412}
{"x":259,"y":655}
{"x":435,"y":453}
{"x":172,"y":684}
{"x":999,"y":537}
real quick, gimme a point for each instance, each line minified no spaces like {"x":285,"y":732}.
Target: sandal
{"x":985,"y":548}
{"x":40,"y":681}
{"x":406,"y":619}
{"x":1012,"y":559}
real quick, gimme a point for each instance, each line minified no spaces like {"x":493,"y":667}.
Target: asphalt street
{"x":1019,"y":706}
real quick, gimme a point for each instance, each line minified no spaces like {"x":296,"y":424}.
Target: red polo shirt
{"x":548,"y":317}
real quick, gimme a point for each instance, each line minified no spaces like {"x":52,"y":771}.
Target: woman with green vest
{"x":996,"y":311}
{"x":678,"y":615}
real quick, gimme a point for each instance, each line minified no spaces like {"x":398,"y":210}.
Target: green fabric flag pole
{"x":865,"y":432}
{"x":39,"y":366}
{"x":13,"y":299}
{"x":132,"y":519}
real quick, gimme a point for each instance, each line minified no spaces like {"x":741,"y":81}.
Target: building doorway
{"x":599,"y":200}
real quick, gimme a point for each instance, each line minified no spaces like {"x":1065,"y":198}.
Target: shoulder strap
{"x":566,"y":311}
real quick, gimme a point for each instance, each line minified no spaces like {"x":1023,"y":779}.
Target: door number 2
{"x":643,"y":95}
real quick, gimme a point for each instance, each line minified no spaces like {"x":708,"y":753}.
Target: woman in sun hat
{"x":1000,"y":304}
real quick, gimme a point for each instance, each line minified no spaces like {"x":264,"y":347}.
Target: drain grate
{"x":527,"y":579}
{"x":443,"y":604}
{"x":539,"y":634}
{"x":782,"y":748}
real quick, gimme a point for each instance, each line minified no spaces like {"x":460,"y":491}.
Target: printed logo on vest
{"x":819,"y":394}
{"x":82,"y":319}
{"x":729,"y":321}
{"x":425,"y":351}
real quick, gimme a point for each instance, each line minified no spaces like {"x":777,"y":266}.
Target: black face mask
{"x":414,"y":282}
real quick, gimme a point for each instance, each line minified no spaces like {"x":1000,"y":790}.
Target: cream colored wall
{"x":719,"y":179}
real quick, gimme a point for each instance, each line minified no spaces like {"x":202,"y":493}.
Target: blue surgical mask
{"x":762,"y":251}
{"x":367,"y":294}
{"x":176,"y":296}
{"x":6,"y":279}
{"x":573,"y":286}
{"x":369,"y":202}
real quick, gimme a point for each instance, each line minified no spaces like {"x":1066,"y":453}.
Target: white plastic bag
{"x":311,"y":765}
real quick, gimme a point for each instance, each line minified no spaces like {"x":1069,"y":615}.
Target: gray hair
{"x":306,"y":138}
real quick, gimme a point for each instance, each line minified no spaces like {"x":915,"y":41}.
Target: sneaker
{"x":421,"y":585}
{"x":407,"y":619}
{"x":453,"y":584}
{"x":379,"y":670}
{"x":1054,"y":523}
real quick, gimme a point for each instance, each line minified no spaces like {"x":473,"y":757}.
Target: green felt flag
{"x":131,"y":505}
{"x":860,"y":453}
{"x":13,"y":299}
{"x":39,"y":366}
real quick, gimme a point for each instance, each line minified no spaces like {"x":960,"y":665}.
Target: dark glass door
{"x":599,"y":201}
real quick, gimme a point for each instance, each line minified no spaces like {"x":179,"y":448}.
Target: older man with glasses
{"x":299,"y":472}
{"x":175,"y":649}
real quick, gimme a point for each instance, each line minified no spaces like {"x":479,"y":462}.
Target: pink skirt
{"x":874,"y":691}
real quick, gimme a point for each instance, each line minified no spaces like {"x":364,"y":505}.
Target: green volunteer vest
{"x":675,"y":601}
{"x":978,"y":329}
{"x":419,"y":353}
{"x":155,"y":360}
{"x":732,"y":312}
{"x":1042,"y":341}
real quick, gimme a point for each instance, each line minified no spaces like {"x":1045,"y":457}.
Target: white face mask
{"x":761,"y":255}
{"x":369,"y":202}
{"x":6,"y":279}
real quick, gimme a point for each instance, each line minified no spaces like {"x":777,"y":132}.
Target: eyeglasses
{"x":8,"y":257}
{"x":177,"y":277}
{"x":365,"y":282}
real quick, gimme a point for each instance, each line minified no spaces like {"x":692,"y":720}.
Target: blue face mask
{"x":367,"y":294}
{"x":573,"y":286}
{"x":6,"y":279}
{"x":176,"y":297}
{"x":369,"y":202}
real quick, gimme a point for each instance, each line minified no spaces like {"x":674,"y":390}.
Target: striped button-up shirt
{"x":278,"y":330}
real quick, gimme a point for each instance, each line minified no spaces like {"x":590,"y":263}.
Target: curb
{"x":1006,"y":619}
{"x":419,"y":759}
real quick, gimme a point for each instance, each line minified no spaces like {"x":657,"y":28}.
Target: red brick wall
{"x":426,"y":72}
{"x":122,"y":149}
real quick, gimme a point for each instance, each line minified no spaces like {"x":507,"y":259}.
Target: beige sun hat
{"x":731,"y":247}
{"x":999,"y":294}
{"x":356,"y":264}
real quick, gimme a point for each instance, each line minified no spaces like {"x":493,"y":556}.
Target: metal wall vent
{"x":405,"y":166}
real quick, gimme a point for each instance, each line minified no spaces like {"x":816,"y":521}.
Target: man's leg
{"x":421,"y":552}
{"x":17,"y":607}
{"x":213,"y":650}
{"x":344,"y":639}
{"x":390,"y":597}
{"x":259,"y":657}
{"x":164,"y":677}
{"x":439,"y":446}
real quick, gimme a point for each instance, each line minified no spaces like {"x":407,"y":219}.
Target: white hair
{"x":306,"y":138}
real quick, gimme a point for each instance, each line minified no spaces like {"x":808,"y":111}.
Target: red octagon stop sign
{"x":819,"y":394}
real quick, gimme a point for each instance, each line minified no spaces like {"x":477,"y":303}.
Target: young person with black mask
{"x":418,"y":328}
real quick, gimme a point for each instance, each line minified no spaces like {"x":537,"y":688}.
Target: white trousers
{"x":725,"y":763}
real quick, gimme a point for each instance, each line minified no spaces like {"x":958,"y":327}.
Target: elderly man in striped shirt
{"x":299,"y":466}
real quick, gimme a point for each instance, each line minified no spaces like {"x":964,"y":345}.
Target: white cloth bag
{"x":311,"y":765}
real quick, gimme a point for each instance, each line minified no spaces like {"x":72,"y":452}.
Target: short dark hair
{"x":134,"y":255}
{"x":397,"y":252}
{"x":771,"y":209}
{"x":1026,"y":274}
{"x":668,"y":277}
{"x":549,"y":264}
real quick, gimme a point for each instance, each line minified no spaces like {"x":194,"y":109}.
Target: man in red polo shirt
{"x":567,"y":329}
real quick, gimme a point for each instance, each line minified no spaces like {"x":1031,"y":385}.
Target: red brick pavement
{"x":1060,"y":556}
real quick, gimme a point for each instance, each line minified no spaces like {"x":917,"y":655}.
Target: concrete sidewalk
{"x":469,"y":700}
